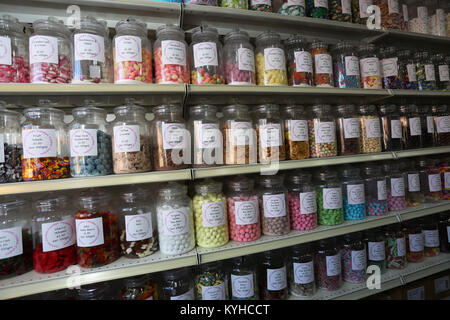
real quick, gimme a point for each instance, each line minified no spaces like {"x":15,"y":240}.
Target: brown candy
{"x":132,"y":162}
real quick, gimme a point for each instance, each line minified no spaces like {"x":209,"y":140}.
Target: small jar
{"x":171,"y":144}
{"x":414,"y":186}
{"x":353,"y":194}
{"x":444,"y":231}
{"x":295,"y":132}
{"x":441,"y":117}
{"x":327,"y":265}
{"x":395,"y":247}
{"x":45,"y":144}
{"x":270,"y":60}
{"x":97,"y":229}
{"x":235,"y":4}
{"x":137,"y":222}
{"x":15,"y":61}
{"x":239,"y":57}
{"x":430,"y":177}
{"x":340,"y":10}
{"x":177,"y":284}
{"x":260,"y":5}
{"x":138,"y":288}
{"x":411,"y":127}
{"x":425,"y":72}
{"x":329,"y":198}
{"x":441,"y":66}
{"x":376,"y":249}
{"x":243,"y":210}
{"x":175,"y":220}
{"x":375,"y":190}
{"x":395,"y":186}
{"x":211,"y":282}
{"x":131,"y":139}
{"x":322,"y":132}
{"x":16,"y":256}
{"x":90,"y":142}
{"x":299,"y":62}
{"x":390,"y":68}
{"x":407,"y":70}
{"x":293,"y":8}
{"x":132,"y":53}
{"x":437,"y":25}
{"x":210,"y":211}
{"x":270,"y":133}
{"x":390,"y":13}
{"x":323,"y":64}
{"x":206,"y":56}
{"x":11,"y":147}
{"x":346,"y":65}
{"x":392,"y":128}
{"x":170,"y":55}
{"x":428,"y":128}
{"x":431,"y":236}
{"x":370,"y":129}
{"x":272,"y":276}
{"x":369,"y":64}
{"x":404,"y":16}
{"x":317,"y":9}
{"x":243,"y":283}
{"x":348,"y":130}
{"x":414,"y":242}
{"x":418,"y":16}
{"x":359,"y":10}
{"x":301,"y":271}
{"x":95,"y":291}
{"x":354,"y":258}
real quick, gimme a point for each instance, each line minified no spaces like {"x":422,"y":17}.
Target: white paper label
{"x":440,"y":14}
{"x":430,"y":75}
{"x":416,"y":242}
{"x":443,"y":124}
{"x":175,"y":222}
{"x":303,"y":61}
{"x":303,"y":272}
{"x":213,"y":214}
{"x":376,"y":251}
{"x":274,"y":59}
{"x":138,"y":227}
{"x":208,"y":135}
{"x":382,"y":190}
{"x":411,"y":72}
{"x":332,"y":198}
{"x":359,"y":260}
{"x":185,"y":296}
{"x":373,"y":129}
{"x":401,"y":247}
{"x":434,"y":182}
{"x":43,"y":49}
{"x":246,"y":59}
{"x":390,"y":67}
{"x":95,"y":71}
{"x":431,"y":238}
{"x":39,"y":143}
{"x":89,"y":47}
{"x":128,"y":48}
{"x":441,"y":284}
{"x":369,"y":67}
{"x":205,"y":54}
{"x":242,"y":286}
{"x":363,"y":5}
{"x":355,"y":194}
{"x":346,"y":8}
{"x":352,"y":65}
{"x":448,"y":234}
{"x":58,"y":235}
{"x":173,"y":52}
{"x":83,"y":142}
{"x":246,"y":212}
{"x":241,"y":133}
{"x":89,"y":232}
{"x":325,"y":132}
{"x":259,"y":2}
{"x":333,"y":265}
{"x":308,"y":203}
{"x":298,"y":130}
{"x":274,"y":205}
{"x":447,"y":180}
{"x":5,"y":51}
{"x":174,"y":135}
{"x":415,"y":128}
{"x":127,"y":138}
{"x":276,"y":279}
{"x":321,"y":3}
{"x":351,"y":128}
{"x":2,"y":149}
{"x":443,"y":73}
{"x":10,"y":242}
{"x":397,"y":187}
{"x":214,"y":292}
{"x":416,"y":294}
{"x":413,"y":182}
{"x":396,"y":129}
{"x":405,"y":12}
{"x":296,"y":3}
{"x":430,"y":124}
{"x":270,"y":135}
{"x":422,"y":14}
{"x":323,"y":63}
{"x":393,"y":7}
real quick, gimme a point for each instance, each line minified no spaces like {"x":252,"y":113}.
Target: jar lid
{"x":169,"y":28}
{"x":236,"y":34}
{"x":51,"y":203}
{"x":167,"y":108}
{"x":129,"y":107}
{"x":296,"y":40}
{"x":325,"y":244}
{"x":391,"y":166}
{"x":242,"y":261}
{"x":92,"y":290}
{"x":137,"y":281}
{"x":88,"y":111}
{"x":344,"y":44}
{"x":37,"y":112}
{"x":133,"y":193}
{"x":439,"y":108}
{"x":346,"y":108}
{"x":366,"y":109}
{"x":317,"y":43}
{"x":176,"y":274}
{"x":371,"y":169}
{"x":322,"y":108}
{"x":211,"y":266}
{"x":299,"y":177}
{"x":235,"y":108}
{"x":10,"y":113}
{"x":208,"y":186}
{"x":404,"y":53}
{"x":274,"y":255}
{"x":51,"y":24}
{"x":131,"y":24}
{"x":10,"y":204}
{"x":202,"y":108}
{"x":410,"y":108}
{"x":267,"y":35}
{"x":352,"y":237}
{"x":421,"y":55}
{"x":171,"y":189}
{"x":10,"y":23}
{"x":302,"y":248}
{"x":92,"y":197}
{"x":326,"y":174}
{"x":293,"y":108}
{"x":270,"y":181}
{"x":389,"y":51}
{"x":202,"y":32}
{"x":424,"y":108}
{"x":240,"y":183}
{"x":91,"y":24}
{"x":350,"y":172}
{"x":366,"y":47}
{"x":272,"y":108}
{"x":387,"y":109}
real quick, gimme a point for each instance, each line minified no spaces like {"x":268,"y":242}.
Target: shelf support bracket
{"x":185,"y":100}
{"x":181,"y":15}
{"x":402,"y":280}
{"x":399,"y":218}
{"x":375,"y":38}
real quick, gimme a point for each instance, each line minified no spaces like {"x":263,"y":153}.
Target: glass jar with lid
{"x":299,"y":62}
{"x":390,"y":13}
{"x":395,"y":186}
{"x":292,"y":7}
{"x":392,"y":127}
{"x":137,"y":222}
{"x":243,"y":283}
{"x":270,"y":60}
{"x":346,"y":65}
{"x":11,"y":147}
{"x":437,"y":24}
{"x":431,"y":236}
{"x":340,"y":10}
{"x":444,"y":231}
{"x":353,"y":258}
{"x":425,"y":72}
{"x":171,"y":143}
{"x":395,"y":247}
{"x":418,"y":16}
{"x":348,"y":130}
{"x":272,"y":276}
{"x":323,"y":64}
{"x":329,"y":198}
{"x":327,"y":265}
{"x":96,"y":246}
{"x":138,"y":288}
{"x":317,"y":9}
{"x":414,"y":186}
{"x":260,"y":5}
{"x":95,"y":291}
{"x":441,"y":116}
{"x":370,"y":129}
{"x":239,"y":58}
{"x":359,"y":10}
{"x":131,"y":139}
{"x":170,"y":55}
{"x":375,"y":190}
{"x":407,"y":70}
{"x":427,"y":124}
{"x":414,"y":241}
{"x":430,"y":177}
{"x":441,"y":66}
{"x":15,"y":61}
{"x":411,"y":126}
{"x":211,"y":282}
{"x":295,"y":132}
{"x":177,"y":284}
{"x":132,"y":53}
{"x":376,"y":249}
{"x":443,"y":164}
{"x":175,"y":219}
{"x":353,"y":193}
{"x":390,"y":68}
{"x":369,"y":65}
{"x":322,"y":132}
{"x":90,"y":142}
{"x":404,"y":16}
{"x":45,"y":143}
{"x":235,"y":4}
{"x":301,"y":271}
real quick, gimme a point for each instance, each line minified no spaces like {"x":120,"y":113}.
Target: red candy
{"x":53,"y":261}
{"x":17,"y":72}
{"x":247,"y":232}
{"x":300,"y":221}
{"x":60,"y":72}
{"x":170,"y":73}
{"x":233,"y":75}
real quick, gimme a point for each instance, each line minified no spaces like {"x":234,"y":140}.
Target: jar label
{"x":333,"y":265}
{"x":138,"y":227}
{"x":205,"y":54}
{"x":430,"y":124}
{"x":443,"y":124}
{"x":416,"y":293}
{"x":332,"y":198}
{"x":270,"y":135}
{"x":89,"y":47}
{"x":296,"y":3}
{"x":308,"y":203}
{"x":405,"y":12}
{"x":430,"y":75}
{"x":321,"y":4}
{"x":216,"y":292}
{"x":422,"y":14}
{"x":359,"y":260}
{"x":346,"y":8}
{"x":390,"y":67}
{"x":443,"y":73}
{"x":355,"y":194}
{"x":43,"y":49}
{"x":325,"y":132}
{"x":411,"y":72}
{"x":323,"y":63}
{"x":440,"y":14}
{"x":415,"y":127}
{"x":242,"y":286}
{"x":303,"y":61}
{"x":376,"y":251}
{"x":2,"y":149}
{"x":213,"y":214}
{"x":447,"y":180}
{"x":174,"y":135}
{"x":298,"y":130}
{"x":173,"y":52}
{"x":10,"y":242}
{"x":351,"y":128}
{"x":431,"y":238}
{"x":393,"y":7}
{"x":397,"y":187}
{"x":246,"y":212}
{"x":261,"y":2}
{"x":128,"y":48}
{"x":127,"y":138}
{"x":175,"y":222}
{"x":276,"y":279}
{"x":83,"y":142}
{"x":274,"y":205}
{"x":370,"y":67}
{"x":351,"y":66}
{"x":246,"y":59}
{"x":373,"y":129}
{"x":58,"y":235}
{"x":434,"y":182}
{"x":363,"y":5}
{"x":89,"y":232}
{"x":207,"y":135}
{"x":382,"y":190}
{"x":39,"y":143}
{"x":241,"y":133}
{"x":416,"y":242}
{"x":274,"y":59}
{"x":303,"y":272}
{"x":5,"y":51}
{"x":185,"y":296}
{"x":95,"y":71}
{"x":413,"y":182}
{"x":396,"y":129}
{"x":401,"y":247}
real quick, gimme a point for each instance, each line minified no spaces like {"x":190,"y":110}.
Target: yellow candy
{"x":269,"y":77}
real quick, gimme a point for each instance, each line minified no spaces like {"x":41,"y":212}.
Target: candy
{"x":348,"y":131}
{"x":353,"y":211}
{"x":211,"y":285}
{"x":17,"y":72}
{"x":269,"y":77}
{"x":236,"y":4}
{"x":328,"y":217}
{"x":436,"y":23}
{"x":133,"y":71}
{"x":295,"y":150}
{"x":18,"y":264}
{"x":201,"y":76}
{"x":137,"y":289}
{"x":60,"y":72}
{"x":301,"y":79}
{"x":377,"y":254}
{"x":268,"y":152}
{"x":233,"y":75}
{"x":170,"y":73}
{"x":201,"y":2}
{"x":241,"y":228}
{"x":11,"y":168}
{"x":235,"y":153}
{"x":431,"y":243}
{"x":418,"y":25}
{"x":414,"y":246}
{"x":426,"y":80}
{"x":299,"y":220}
{"x":340,"y":10}
{"x":376,"y":207}
{"x":317,"y":9}
{"x":320,"y":149}
{"x":274,"y":225}
{"x":323,"y":67}
{"x":45,"y":168}
{"x":261,"y":5}
{"x":370,"y":134}
{"x":341,"y":79}
{"x":292,"y":10}
{"x":390,"y":15}
{"x":324,"y":272}
{"x":53,"y":261}
{"x":164,"y":154}
{"x":396,"y":203}
{"x":350,"y":272}
{"x":358,"y":13}
{"x":393,"y":259}
{"x":132,"y":162}
{"x":406,"y":82}
{"x":137,"y":249}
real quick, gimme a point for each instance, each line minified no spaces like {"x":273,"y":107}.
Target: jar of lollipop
{"x":390,"y":13}
{"x":302,"y":201}
{"x":444,"y":231}
{"x":353,"y":258}
{"x":431,"y":236}
{"x":322,"y":132}
{"x":270,"y":60}
{"x":340,"y":10}
{"x":376,"y":249}
{"x":139,"y":288}
{"x":177,"y":284}
{"x":235,"y":4}
{"x":327,"y":265}
{"x":392,"y":127}
{"x":375,"y":190}
{"x":211,"y":282}
{"x":441,"y":66}
{"x":239,"y":57}
{"x":359,"y":10}
{"x":414,"y":242}
{"x":430,"y":177}
{"x":272,"y":276}
{"x":369,"y":64}
{"x":370,"y":129}
{"x":395,"y":186}
{"x":299,"y":62}
{"x":428,"y":128}
{"x":317,"y":9}
{"x":414,"y":187}
{"x":425,"y":72}
{"x":260,"y":5}
{"x":441,"y":117}
{"x":404,"y":16}
{"x":390,"y":68}
{"x":353,"y":194}
{"x":418,"y":16}
{"x":329,"y":198}
{"x":348,"y":130}
{"x":411,"y":126}
{"x":11,"y":147}
{"x":323,"y":64}
{"x":301,"y":271}
{"x":395,"y":247}
{"x":243,"y":284}
{"x":407,"y":70}
{"x":346,"y":66}
{"x":293,"y":8}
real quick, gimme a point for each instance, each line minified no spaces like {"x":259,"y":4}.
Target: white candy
{"x":418,"y":26}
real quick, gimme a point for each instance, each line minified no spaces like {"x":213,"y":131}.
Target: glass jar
{"x":239,"y":57}
{"x":414,"y":186}
{"x":175,"y":220}
{"x":272,"y":276}
{"x":359,"y":10}
{"x":54,"y":235}
{"x":45,"y":144}
{"x":15,"y":61}
{"x":243,"y":210}
{"x":346,"y":65}
{"x":418,"y":16}
{"x":132,"y":53}
{"x":211,"y":282}
{"x":329,"y":198}
{"x":353,"y":194}
{"x":390,"y":68}
{"x":327,"y":265}
{"x":441,"y":119}
{"x":430,"y":177}
{"x":414,"y":242}
{"x":171,"y":144}
{"x":323,"y":64}
{"x":11,"y":148}
{"x":431,"y":236}
{"x":369,"y":64}
{"x":177,"y":284}
{"x":425,"y":72}
{"x":131,"y":139}
{"x":392,"y":127}
{"x":395,"y":186}
{"x":92,"y":50}
{"x":295,"y":132}
{"x":95,"y":291}
{"x":138,"y":288}
{"x":322,"y":132}
{"x":201,"y":2}
{"x":395,"y":247}
{"x":317,"y":9}
{"x":235,"y":4}
{"x":444,"y":231}
{"x":428,"y":128}
{"x":348,"y":130}
{"x":299,"y":60}
{"x":404,"y":16}
{"x":375,"y":190}
{"x":407,"y":70}
{"x":444,"y":167}
{"x":90,"y":142}
{"x":353,"y":258}
{"x":270,"y":133}
{"x":170,"y":55}
{"x":260,"y":5}
{"x":301,"y":271}
{"x":293,"y":8}
{"x":390,"y":13}
{"x":411,"y":127}
{"x":370,"y":131}
{"x":436,"y":18}
{"x":376,"y":249}
{"x":243,"y":281}
{"x":441,"y":66}
{"x":97,"y":229}
{"x":138,"y":234}
{"x":210,"y":211}
{"x":238,"y":135}
{"x":340,"y":10}
{"x":16,"y":256}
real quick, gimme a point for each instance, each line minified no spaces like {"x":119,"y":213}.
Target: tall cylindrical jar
{"x":369,"y":65}
{"x":425,"y":72}
{"x":11,"y":148}
{"x":359,"y":10}
{"x":243,"y":282}
{"x":340,"y":10}
{"x":411,"y":127}
{"x":354,"y":258}
{"x":329,"y":198}
{"x":414,"y":185}
{"x":436,"y":18}
{"x":444,"y":231}
{"x":390,"y":13}
{"x":392,"y":128}
{"x":299,"y":62}
{"x":441,"y":66}
{"x":301,"y":271}
{"x":395,"y":186}
{"x":370,"y":129}
{"x":317,"y":9}
{"x":427,"y":126}
{"x":177,"y":284}
{"x":431,"y":236}
{"x":348,"y":130}
{"x":323,"y":64}
{"x":404,"y":16}
{"x":346,"y":66}
{"x":353,"y":194}
{"x":395,"y":247}
{"x":322,"y":132}
{"x":327,"y":265}
{"x":441,"y":115}
{"x":273,"y":276}
{"x":211,"y":282}
{"x":239,"y":59}
{"x":390,"y":68}
{"x":430,"y":177}
{"x":375,"y":190}
{"x":376,"y":249}
{"x":414,"y":242}
{"x":418,"y":16}
{"x":407,"y":70}
{"x":295,"y":132}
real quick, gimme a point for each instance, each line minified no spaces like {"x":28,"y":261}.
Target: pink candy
{"x":52,"y":72}
{"x":18,"y":72}
{"x":300,"y":221}
{"x":242,"y":233}
{"x":234,"y":75}
{"x":396,"y":203}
